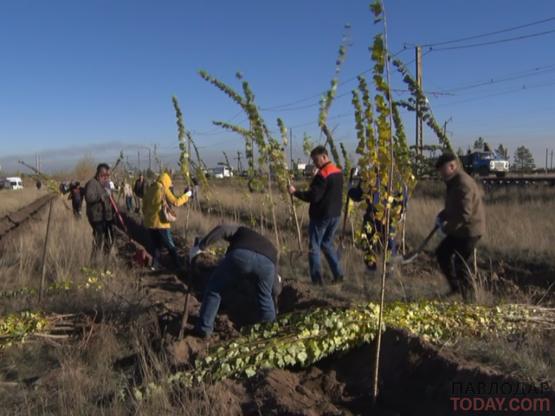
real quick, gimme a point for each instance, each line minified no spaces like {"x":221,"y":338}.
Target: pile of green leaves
{"x":16,"y":327}
{"x":301,"y":339}
{"x":93,"y":280}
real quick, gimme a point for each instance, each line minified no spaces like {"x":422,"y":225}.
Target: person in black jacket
{"x":372,"y":229}
{"x":325,"y":197}
{"x":76,"y":192}
{"x":139,"y":192}
{"x":100,"y":212}
{"x":249,"y":255}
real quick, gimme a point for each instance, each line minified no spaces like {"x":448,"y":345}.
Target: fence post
{"x":44,"y":250}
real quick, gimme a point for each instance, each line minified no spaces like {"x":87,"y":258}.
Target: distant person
{"x":463,"y":221}
{"x":249,"y":256}
{"x":38,"y":184}
{"x":128,"y":195}
{"x":64,"y":188}
{"x":76,"y":193}
{"x":156,"y":196}
{"x":196,"y":192}
{"x":100,"y":212}
{"x":372,"y":244}
{"x":139,"y":192}
{"x":325,"y":198}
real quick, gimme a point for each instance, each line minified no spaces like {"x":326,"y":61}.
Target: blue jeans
{"x":321,"y":234}
{"x":129,"y":203}
{"x":160,"y":238}
{"x":239,"y":264}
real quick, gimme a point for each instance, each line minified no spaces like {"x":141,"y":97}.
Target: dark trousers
{"x":162,"y":238}
{"x":454,"y":256}
{"x":76,"y":205}
{"x":103,"y":238}
{"x":374,"y":242}
{"x":239,"y":264}
{"x":321,"y":235}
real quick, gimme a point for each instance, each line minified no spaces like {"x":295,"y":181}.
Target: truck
{"x":221,"y":172}
{"x":485,"y":162}
{"x":13,"y":182}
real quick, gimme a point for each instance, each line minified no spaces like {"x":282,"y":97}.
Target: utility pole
{"x":139,"y":160}
{"x":546,"y":157}
{"x":551,"y":164}
{"x":239,"y":164}
{"x":189,"y":155}
{"x":419,"y":130}
{"x":149,"y":161}
{"x":291,"y":149}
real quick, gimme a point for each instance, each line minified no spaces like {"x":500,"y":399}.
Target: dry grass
{"x":519,"y":226}
{"x":85,"y":378}
{"x":12,"y":200}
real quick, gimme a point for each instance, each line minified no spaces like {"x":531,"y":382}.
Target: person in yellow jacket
{"x":159,"y":228}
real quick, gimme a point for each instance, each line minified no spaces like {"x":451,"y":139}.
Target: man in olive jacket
{"x":463,"y":221}
{"x":99,"y":210}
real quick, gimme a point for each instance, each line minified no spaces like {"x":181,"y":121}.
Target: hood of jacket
{"x":165,"y":179}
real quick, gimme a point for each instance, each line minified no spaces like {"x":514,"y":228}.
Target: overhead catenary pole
{"x":551,"y":164}
{"x":239,"y":164}
{"x":139,"y":160}
{"x":293,"y":167}
{"x":546,"y":158}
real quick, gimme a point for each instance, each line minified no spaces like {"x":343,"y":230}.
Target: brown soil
{"x":415,"y":377}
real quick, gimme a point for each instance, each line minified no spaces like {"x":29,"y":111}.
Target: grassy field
{"x":85,"y":376}
{"x":13,"y":200}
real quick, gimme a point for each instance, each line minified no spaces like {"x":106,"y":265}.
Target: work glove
{"x":189,"y":193}
{"x":193,"y":252}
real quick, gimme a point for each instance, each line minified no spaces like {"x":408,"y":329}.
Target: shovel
{"x":185,"y":317}
{"x":410,"y":257}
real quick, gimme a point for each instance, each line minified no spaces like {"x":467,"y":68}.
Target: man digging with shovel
{"x":463,"y":223}
{"x":249,"y":256}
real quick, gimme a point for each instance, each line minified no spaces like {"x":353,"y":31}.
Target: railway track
{"x":518,"y":181}
{"x":14,"y":220}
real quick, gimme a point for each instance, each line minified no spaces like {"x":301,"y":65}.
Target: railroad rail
{"x":13,"y":220}
{"x":518,"y":181}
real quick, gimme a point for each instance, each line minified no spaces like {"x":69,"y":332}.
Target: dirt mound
{"x":298,"y":296}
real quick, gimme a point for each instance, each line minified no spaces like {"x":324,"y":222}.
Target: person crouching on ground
{"x":249,"y":255}
{"x":463,"y":221}
{"x":325,"y":198}
{"x":100,"y":211}
{"x":156,"y":196}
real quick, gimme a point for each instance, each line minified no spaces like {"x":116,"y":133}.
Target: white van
{"x":13,"y":182}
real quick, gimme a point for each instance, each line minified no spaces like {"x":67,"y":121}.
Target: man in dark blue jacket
{"x":325,"y":198}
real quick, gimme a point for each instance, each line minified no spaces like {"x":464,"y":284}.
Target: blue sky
{"x":90,"y":77}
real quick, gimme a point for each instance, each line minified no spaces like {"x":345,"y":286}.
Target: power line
{"x":509,"y":77}
{"x":318,"y":95}
{"x":482,"y":35}
{"x":520,"y":89}
{"x":493,"y":42}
